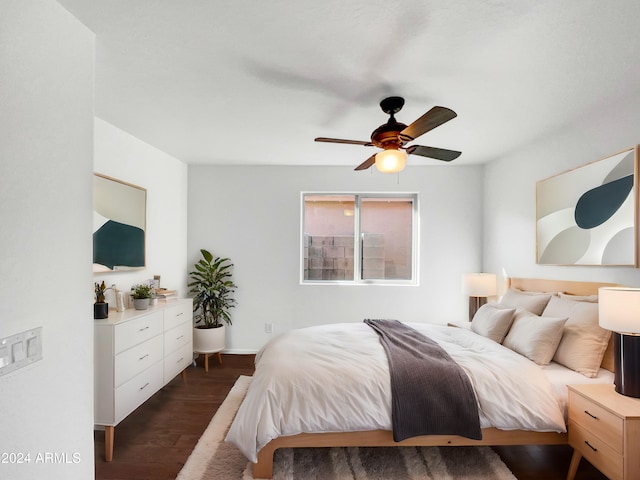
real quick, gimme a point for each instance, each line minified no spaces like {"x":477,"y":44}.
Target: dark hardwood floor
{"x":154,"y":442}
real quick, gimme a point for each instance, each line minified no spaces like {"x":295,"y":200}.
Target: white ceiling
{"x":254,"y":82}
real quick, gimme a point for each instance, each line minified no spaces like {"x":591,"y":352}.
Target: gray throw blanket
{"x":430,"y":393}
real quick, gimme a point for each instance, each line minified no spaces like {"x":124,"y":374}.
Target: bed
{"x":281,"y":415}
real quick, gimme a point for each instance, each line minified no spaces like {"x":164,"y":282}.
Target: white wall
{"x":122,"y":156}
{"x":46,"y":144}
{"x":252,"y":215}
{"x":510,"y":191}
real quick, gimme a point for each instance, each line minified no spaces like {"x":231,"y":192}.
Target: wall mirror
{"x":119,"y":224}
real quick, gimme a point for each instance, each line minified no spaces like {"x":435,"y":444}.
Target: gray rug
{"x":213,"y":459}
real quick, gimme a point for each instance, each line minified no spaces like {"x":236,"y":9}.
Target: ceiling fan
{"x":393,"y":136}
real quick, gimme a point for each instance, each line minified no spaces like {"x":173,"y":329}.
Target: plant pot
{"x":209,"y":340}
{"x":141,"y":303}
{"x":100,"y":310}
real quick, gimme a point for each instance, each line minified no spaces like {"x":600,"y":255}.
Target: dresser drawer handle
{"x":143,"y":329}
{"x":177,"y":315}
{"x":181,"y":358}
{"x":591,"y":446}
{"x":144,"y":386}
{"x":143,"y":357}
{"x":181,"y":336}
{"x":591,"y":415}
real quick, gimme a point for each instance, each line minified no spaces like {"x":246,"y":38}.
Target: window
{"x":359,"y":238}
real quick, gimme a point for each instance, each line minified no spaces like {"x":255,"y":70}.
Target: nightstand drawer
{"x":597,"y":420}
{"x":594,"y":449}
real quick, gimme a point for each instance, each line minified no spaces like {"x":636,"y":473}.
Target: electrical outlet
{"x":268,"y":328}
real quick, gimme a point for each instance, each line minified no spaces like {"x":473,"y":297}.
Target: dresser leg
{"x":183,"y":374}
{"x":573,"y":466}
{"x":108,"y":443}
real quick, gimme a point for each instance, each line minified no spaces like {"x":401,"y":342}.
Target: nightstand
{"x":604,"y":428}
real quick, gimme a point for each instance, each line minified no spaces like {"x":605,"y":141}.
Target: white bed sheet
{"x":335,"y":378}
{"x":560,"y":376}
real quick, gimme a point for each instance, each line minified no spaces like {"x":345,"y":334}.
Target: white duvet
{"x":335,"y":378}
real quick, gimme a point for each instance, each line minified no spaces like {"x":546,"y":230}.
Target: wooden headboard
{"x":566,"y":286}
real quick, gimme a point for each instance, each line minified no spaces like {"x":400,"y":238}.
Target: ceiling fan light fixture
{"x":391,"y":160}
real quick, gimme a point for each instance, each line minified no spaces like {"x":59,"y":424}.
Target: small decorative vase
{"x":100,"y":310}
{"x":141,"y":303}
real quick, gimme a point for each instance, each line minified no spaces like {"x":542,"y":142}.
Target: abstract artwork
{"x":587,"y":216}
{"x":119,"y":222}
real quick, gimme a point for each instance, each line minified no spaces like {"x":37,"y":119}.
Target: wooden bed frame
{"x":490,"y":436}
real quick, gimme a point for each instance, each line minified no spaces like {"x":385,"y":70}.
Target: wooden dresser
{"x":136,"y":353}
{"x":604,"y":428}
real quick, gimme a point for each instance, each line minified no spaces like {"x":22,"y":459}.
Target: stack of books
{"x":164,"y":294}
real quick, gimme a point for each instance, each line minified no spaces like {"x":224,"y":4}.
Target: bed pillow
{"x":535,"y":337}
{"x":584,"y":341}
{"x":579,"y":298}
{"x":534,"y":302}
{"x":493,"y":320}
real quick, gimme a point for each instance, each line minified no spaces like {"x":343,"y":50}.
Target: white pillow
{"x":584,"y":341}
{"x":534,"y":337}
{"x":531,"y":301}
{"x":579,"y":298}
{"x":493,"y":320}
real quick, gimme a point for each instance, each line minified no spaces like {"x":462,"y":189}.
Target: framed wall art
{"x":119,"y":224}
{"x":589,"y":215}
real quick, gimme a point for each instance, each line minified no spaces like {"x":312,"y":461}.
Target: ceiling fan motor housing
{"x":387,"y":136}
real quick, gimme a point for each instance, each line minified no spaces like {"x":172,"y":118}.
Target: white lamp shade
{"x":479,"y":284}
{"x":391,"y":161}
{"x":619,"y":309}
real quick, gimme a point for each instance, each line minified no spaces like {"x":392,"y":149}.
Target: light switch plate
{"x":20,"y":350}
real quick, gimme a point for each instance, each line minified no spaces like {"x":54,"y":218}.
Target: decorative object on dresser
{"x":100,"y":307}
{"x":604,"y":427}
{"x":587,"y":216}
{"x":135,"y":354}
{"x":212,"y":290}
{"x":619,"y":311}
{"x":478,"y":286}
{"x":141,"y":294}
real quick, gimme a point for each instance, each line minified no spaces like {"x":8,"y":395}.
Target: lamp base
{"x":627,"y":364}
{"x":474,"y":304}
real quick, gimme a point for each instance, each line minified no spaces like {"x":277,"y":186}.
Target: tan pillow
{"x":493,"y":320}
{"x":579,"y":298}
{"x":584,"y":341}
{"x":531,"y":301}
{"x":534,"y":337}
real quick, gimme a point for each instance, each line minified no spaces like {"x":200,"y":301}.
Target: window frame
{"x":357,"y":242}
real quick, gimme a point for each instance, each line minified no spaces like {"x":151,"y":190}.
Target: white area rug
{"x":213,"y":459}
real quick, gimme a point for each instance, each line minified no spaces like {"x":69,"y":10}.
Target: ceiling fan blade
{"x":432,"y":152}
{"x":367,"y":163}
{"x":339,"y":140}
{"x":430,"y":120}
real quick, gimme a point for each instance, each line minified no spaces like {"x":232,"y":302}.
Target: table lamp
{"x":478,"y":286}
{"x":619,"y":311}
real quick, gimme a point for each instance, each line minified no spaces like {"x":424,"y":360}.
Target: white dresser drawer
{"x":178,"y":336}
{"x":175,"y":315}
{"x":128,"y":334}
{"x":139,"y":357}
{"x":177,"y":361}
{"x":134,"y":392}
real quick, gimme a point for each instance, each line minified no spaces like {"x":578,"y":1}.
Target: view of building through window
{"x":383,"y":225}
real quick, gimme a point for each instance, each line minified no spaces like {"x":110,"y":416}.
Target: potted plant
{"x":141,"y":294}
{"x":212,"y":290}
{"x":100,"y":307}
